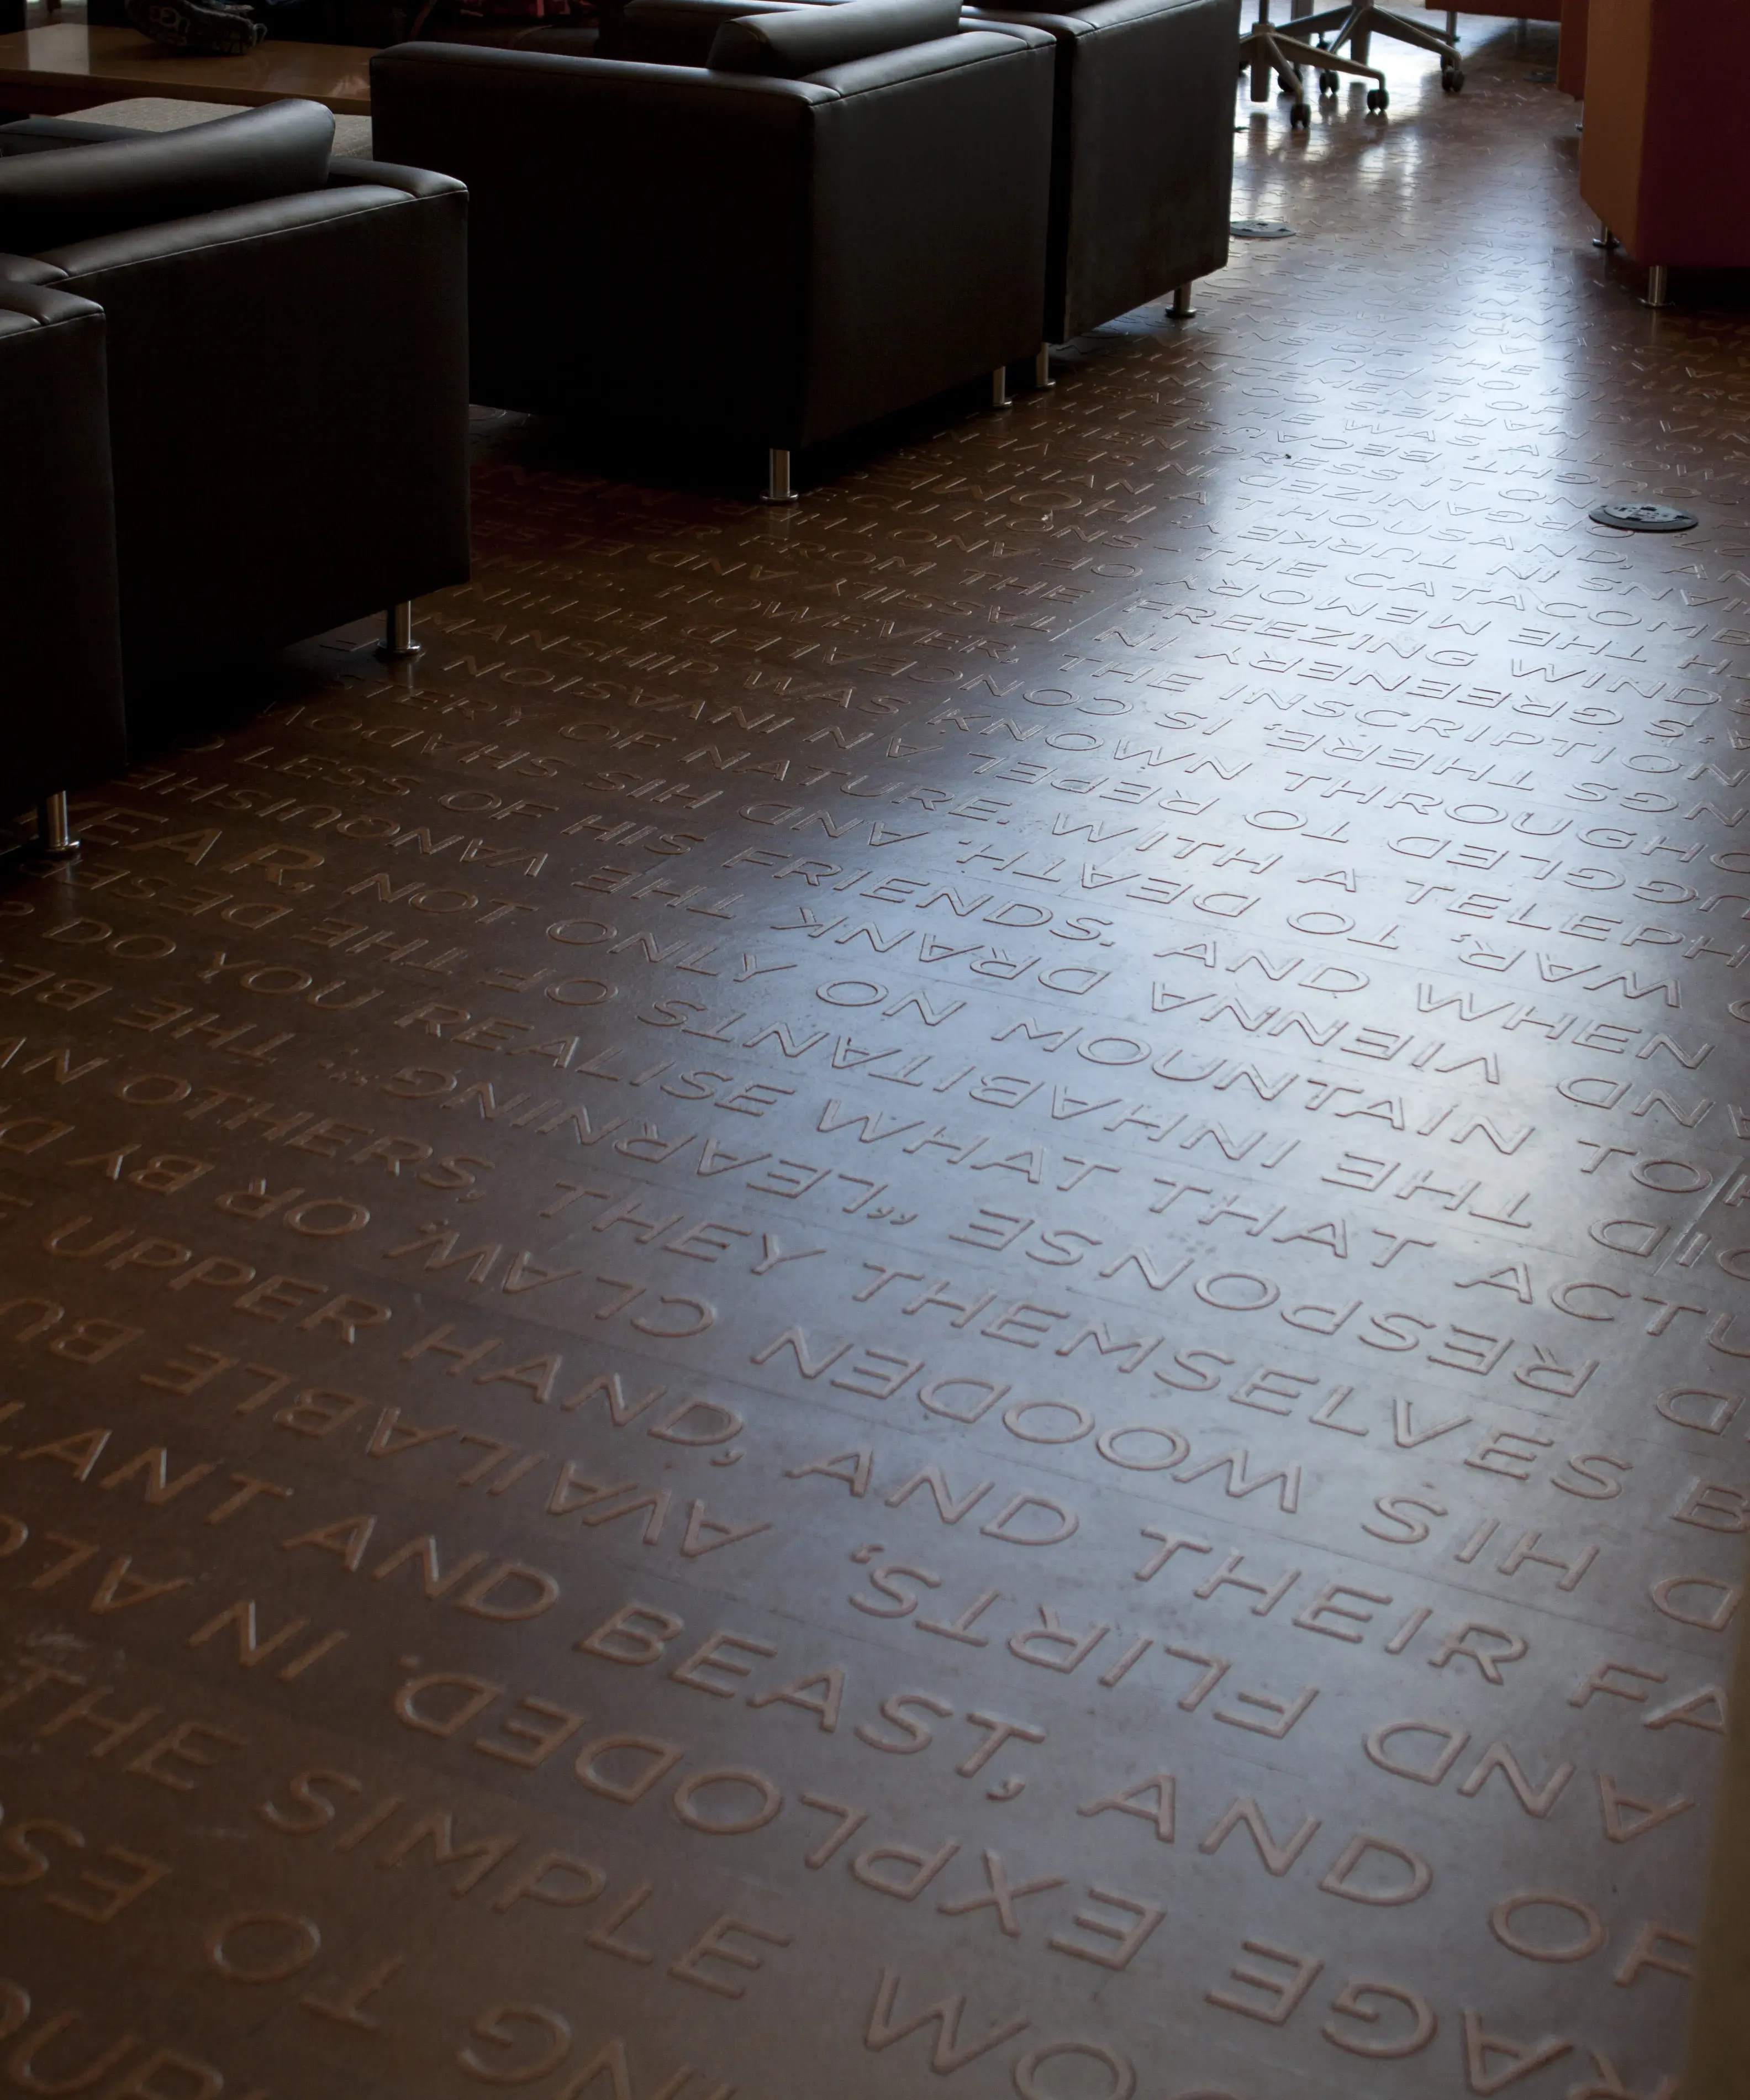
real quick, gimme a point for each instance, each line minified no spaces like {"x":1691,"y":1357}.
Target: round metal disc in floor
{"x":1260,"y":229}
{"x":1643,"y":518}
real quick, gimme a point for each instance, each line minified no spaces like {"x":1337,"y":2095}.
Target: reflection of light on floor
{"x":1412,"y":363}
{"x":1342,"y":125}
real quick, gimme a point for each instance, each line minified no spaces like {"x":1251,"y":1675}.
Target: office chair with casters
{"x":1356,"y":22}
{"x":1266,"y":49}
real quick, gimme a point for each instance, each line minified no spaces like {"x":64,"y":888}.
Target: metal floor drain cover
{"x":1260,"y":229}
{"x":1643,"y":518}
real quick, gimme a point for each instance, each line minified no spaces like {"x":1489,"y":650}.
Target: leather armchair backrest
{"x":571,"y":40}
{"x":49,"y":200}
{"x":680,"y":31}
{"x":808,"y":41}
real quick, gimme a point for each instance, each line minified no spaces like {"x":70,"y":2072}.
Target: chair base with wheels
{"x":1359,"y":21}
{"x":1266,"y":50}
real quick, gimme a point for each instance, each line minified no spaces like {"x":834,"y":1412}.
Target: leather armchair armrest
{"x":46,"y":135}
{"x":976,"y":45}
{"x":43,"y":303}
{"x":386,"y":174}
{"x":1097,"y":15}
{"x":240,"y":224}
{"x":712,"y":11}
{"x":681,"y":32}
{"x":422,"y":75}
{"x":484,"y":110}
{"x":19,"y":270}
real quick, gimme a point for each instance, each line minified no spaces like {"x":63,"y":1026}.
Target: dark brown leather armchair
{"x":1142,"y":161}
{"x":62,"y":727}
{"x":843,"y":214}
{"x":1142,"y":151}
{"x":287,"y":373}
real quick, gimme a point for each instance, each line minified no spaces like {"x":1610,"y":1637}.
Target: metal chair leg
{"x":1657,"y":293}
{"x":1261,"y":67}
{"x":1604,"y":238}
{"x":55,"y":838}
{"x":1289,"y":52}
{"x":1041,"y":366}
{"x":777,"y":488}
{"x":398,"y":645}
{"x":1181,"y":309}
{"x":999,"y":388}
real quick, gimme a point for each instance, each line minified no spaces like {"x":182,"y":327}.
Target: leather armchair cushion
{"x":51,"y":200}
{"x":791,"y":46}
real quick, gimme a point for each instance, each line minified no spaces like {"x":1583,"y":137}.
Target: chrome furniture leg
{"x":55,"y":838}
{"x":398,"y":645}
{"x":777,"y":488}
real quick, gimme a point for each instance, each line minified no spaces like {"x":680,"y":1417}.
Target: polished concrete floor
{"x":942,"y":1294}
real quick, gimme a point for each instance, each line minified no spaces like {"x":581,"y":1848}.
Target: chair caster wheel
{"x":1300,"y":118}
{"x":1451,"y":79}
{"x":1327,"y":83}
{"x":1377,"y":101}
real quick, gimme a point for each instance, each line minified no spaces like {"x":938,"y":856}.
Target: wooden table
{"x":67,"y":66}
